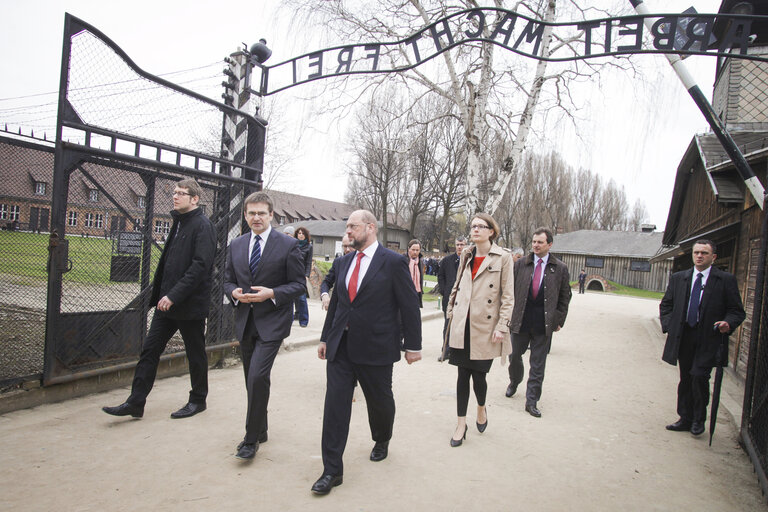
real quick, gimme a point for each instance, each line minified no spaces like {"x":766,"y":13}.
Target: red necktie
{"x":537,"y":278}
{"x":353,"y":279}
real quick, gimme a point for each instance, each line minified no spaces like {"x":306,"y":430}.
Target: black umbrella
{"x":722,"y":359}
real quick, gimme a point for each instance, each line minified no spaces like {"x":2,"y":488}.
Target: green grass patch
{"x":323,"y":266}
{"x":635,"y":292}
{"x":433,"y":279}
{"x":26,"y":254}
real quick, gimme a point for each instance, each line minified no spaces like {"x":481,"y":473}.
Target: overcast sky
{"x":633,"y":133}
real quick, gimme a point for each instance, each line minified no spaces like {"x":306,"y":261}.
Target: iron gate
{"x":124,"y":137}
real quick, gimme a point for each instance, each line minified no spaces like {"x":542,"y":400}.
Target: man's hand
{"x":722,"y":326}
{"x":165,"y":304}
{"x":260,"y":294}
{"x":326,"y":299}
{"x":321,"y":350}
{"x":412,"y":357}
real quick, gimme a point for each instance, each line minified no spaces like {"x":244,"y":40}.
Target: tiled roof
{"x":632,"y":244}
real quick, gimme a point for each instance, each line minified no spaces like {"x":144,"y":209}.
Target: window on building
{"x":39,"y":188}
{"x":595,"y":262}
{"x":141,"y":202}
{"x":317,"y":240}
{"x":162,"y":227}
{"x":3,"y":211}
{"x":137,"y":224}
{"x":98,"y":220}
{"x":640,"y":266}
{"x":89,"y":220}
{"x":14,"y":212}
{"x":93,"y":195}
{"x":71,"y":218}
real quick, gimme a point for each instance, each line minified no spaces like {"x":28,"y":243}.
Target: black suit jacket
{"x":281,"y":268}
{"x":719,"y":301}
{"x":446,"y":276}
{"x":385,"y":309}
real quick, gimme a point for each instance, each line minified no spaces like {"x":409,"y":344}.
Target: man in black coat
{"x":181,"y":291}
{"x":263,"y":275}
{"x":699,"y":310}
{"x":374,"y":305}
{"x":446,"y":276}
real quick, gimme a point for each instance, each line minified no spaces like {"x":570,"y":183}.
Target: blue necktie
{"x":255,"y":257}
{"x":693,"y":305}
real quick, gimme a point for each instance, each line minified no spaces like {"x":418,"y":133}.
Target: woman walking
{"x":479,"y":309}
{"x":305,"y":246}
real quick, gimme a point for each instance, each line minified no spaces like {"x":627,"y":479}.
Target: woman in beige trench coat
{"x":479,"y":309}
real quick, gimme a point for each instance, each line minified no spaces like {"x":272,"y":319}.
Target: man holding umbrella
{"x":699,"y":310}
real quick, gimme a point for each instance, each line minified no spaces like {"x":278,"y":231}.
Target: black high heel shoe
{"x":455,"y":443}
{"x":482,"y":426}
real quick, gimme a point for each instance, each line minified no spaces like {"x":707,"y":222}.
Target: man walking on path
{"x":181,"y":293}
{"x":542,"y":295}
{"x":446,"y":276}
{"x":263,"y":275}
{"x":373,"y":307}
{"x":699,"y":310}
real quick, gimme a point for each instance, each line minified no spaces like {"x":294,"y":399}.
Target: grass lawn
{"x":635,"y":292}
{"x":26,"y":254}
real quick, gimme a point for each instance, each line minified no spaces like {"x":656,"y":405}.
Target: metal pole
{"x":718,"y":128}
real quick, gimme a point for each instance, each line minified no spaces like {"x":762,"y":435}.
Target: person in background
{"x":479,"y":310}
{"x":517,"y":253}
{"x":446,"y":276}
{"x":330,"y":277}
{"x":305,"y":246}
{"x":416,"y":267}
{"x":582,"y":280}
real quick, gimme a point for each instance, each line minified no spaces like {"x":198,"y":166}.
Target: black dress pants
{"x":161,"y":330}
{"x":539,"y":347}
{"x":258,"y":356}
{"x":376,"y":383}
{"x":693,"y":389}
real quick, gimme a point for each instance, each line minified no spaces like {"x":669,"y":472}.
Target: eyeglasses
{"x":180,"y":193}
{"x":479,"y":226}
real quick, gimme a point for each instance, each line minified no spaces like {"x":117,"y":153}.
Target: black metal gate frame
{"x":70,"y":156}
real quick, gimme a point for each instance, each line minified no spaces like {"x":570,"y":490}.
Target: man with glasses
{"x":181,"y":294}
{"x":446,"y":276}
{"x":263,"y":275}
{"x":373,"y":307}
{"x":542,"y":296}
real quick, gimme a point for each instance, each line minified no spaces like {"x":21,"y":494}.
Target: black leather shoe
{"x":511,"y":390}
{"x":380,"y":451}
{"x":697,"y":428}
{"x":325,"y":483}
{"x":680,"y":425}
{"x":125,"y":409}
{"x":188,"y":410}
{"x":533,"y":411}
{"x":482,"y":426}
{"x":457,"y":442}
{"x":247,"y":451}
{"x":262,"y":439}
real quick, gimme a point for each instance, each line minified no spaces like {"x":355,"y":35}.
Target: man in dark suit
{"x":446,"y":276}
{"x":699,"y":310}
{"x":263,"y":275}
{"x":181,"y":293}
{"x":542,"y":296}
{"x":373,"y":307}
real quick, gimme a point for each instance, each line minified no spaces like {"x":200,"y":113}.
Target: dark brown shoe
{"x":325,"y":483}
{"x":680,"y":425}
{"x":125,"y":409}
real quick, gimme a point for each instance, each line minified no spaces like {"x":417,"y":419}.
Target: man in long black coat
{"x":181,"y":292}
{"x":699,"y":310}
